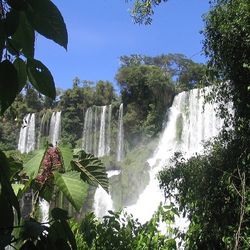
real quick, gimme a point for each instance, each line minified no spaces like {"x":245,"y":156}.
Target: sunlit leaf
{"x":32,"y":166}
{"x":72,"y":187}
{"x":17,"y":188}
{"x":67,"y":155}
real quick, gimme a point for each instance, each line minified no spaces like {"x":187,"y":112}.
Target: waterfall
{"x":41,"y":130}
{"x":101,"y":145}
{"x":55,"y":128}
{"x":190,"y":123}
{"x":120,"y":137}
{"x":97,"y":130}
{"x":44,"y":209}
{"x":88,"y":131}
{"x":102,"y":200}
{"x":26,"y":142}
{"x":108,"y":146}
{"x":95,"y":151}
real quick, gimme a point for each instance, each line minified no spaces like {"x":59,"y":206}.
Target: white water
{"x":120,"y":138}
{"x":55,"y":128}
{"x":87,"y":131}
{"x":197,"y":126}
{"x":41,"y":130}
{"x":95,"y":150}
{"x":44,"y":208}
{"x":108,"y":144}
{"x":26,"y":142}
{"x":102,"y":200}
{"x":101,"y":145}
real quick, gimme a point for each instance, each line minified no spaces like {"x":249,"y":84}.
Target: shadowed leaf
{"x":48,"y":21}
{"x":41,"y":78}
{"x":8,"y":84}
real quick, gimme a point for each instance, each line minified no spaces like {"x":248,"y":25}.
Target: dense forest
{"x":210,"y":189}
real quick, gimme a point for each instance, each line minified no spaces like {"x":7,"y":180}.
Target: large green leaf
{"x":20,"y":66}
{"x":6,"y":221}
{"x":11,"y":22}
{"x":48,"y":21}
{"x":60,"y":235}
{"x":2,"y":38}
{"x":67,"y":155}
{"x":31,"y":167}
{"x":17,"y":188}
{"x":8,"y":84}
{"x":6,"y":188}
{"x":41,"y":78}
{"x":72,"y":187}
{"x":23,"y":39}
{"x":91,"y":168}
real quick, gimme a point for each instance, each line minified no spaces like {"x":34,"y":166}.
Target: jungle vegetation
{"x":215,"y":198}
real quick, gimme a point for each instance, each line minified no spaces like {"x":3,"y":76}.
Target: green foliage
{"x":148,"y":85}
{"x":32,"y":166}
{"x":143,"y":10}
{"x":45,"y":177}
{"x":38,"y":73}
{"x":8,"y":200}
{"x":74,"y":102}
{"x":210,"y":191}
{"x":72,"y":187}
{"x":145,"y":91}
{"x":8,"y":85}
{"x":55,"y":235}
{"x":18,"y":24}
{"x":91,"y":169}
{"x":121,"y":231}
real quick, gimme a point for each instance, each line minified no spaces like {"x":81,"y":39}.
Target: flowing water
{"x":108,"y":144}
{"x":120,"y":138}
{"x":101,"y":145}
{"x":189,"y":124}
{"x":55,"y":128}
{"x":27,"y":142}
{"x":44,"y":208}
{"x":87,"y":131}
{"x":102,"y":200}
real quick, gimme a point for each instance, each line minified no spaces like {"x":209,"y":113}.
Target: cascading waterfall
{"x":55,"y":128}
{"x":97,"y":130}
{"x":102,"y":200}
{"x":120,"y":138}
{"x":190,"y":123}
{"x":95,"y":150}
{"x":101,"y":145}
{"x":88,"y":131}
{"x":108,"y":146}
{"x":44,"y":209}
{"x":26,"y":142}
{"x":41,"y":130}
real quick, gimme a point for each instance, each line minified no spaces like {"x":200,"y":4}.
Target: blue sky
{"x":100,"y":31}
